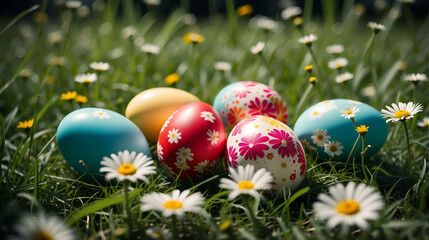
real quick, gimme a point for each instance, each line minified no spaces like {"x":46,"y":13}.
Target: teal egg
{"x":89,"y":134}
{"x":323,"y":123}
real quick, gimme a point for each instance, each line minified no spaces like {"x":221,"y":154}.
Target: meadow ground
{"x":386,"y":62}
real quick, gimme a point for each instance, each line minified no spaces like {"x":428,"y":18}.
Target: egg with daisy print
{"x":265,"y":142}
{"x":91,"y":134}
{"x":333,"y":126}
{"x":240,"y":100}
{"x":191,"y":141}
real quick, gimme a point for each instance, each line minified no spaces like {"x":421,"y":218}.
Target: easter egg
{"x":150,"y":108}
{"x":192,"y":141}
{"x":89,"y":134}
{"x":325,"y":127}
{"x":267,"y":143}
{"x":240,"y":100}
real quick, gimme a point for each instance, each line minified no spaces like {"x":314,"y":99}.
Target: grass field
{"x":39,"y":61}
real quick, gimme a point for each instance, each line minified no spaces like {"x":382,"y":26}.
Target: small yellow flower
{"x":297,"y":21}
{"x":25,"y":124}
{"x":362,"y":130}
{"x":193,"y":38}
{"x":313,"y":80}
{"x":81,"y":99}
{"x":244,"y":10}
{"x":68,"y":95}
{"x":308,"y":68}
{"x":172,"y":78}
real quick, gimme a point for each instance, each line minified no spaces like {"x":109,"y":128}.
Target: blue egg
{"x":326,"y":127}
{"x":89,"y":134}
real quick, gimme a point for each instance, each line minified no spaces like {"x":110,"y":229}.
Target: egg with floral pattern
{"x":191,"y":142}
{"x":327,"y":127}
{"x":89,"y":134}
{"x":240,"y":100}
{"x":150,"y":108}
{"x":268,"y":143}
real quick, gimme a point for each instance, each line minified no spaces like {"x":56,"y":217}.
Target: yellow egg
{"x":150,"y":109}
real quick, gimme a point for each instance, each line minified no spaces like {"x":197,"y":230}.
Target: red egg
{"x":192,"y":141}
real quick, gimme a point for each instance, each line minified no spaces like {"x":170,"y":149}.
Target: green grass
{"x":35,"y":177}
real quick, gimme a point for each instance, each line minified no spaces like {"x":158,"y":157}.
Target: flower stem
{"x":255,"y":222}
{"x":410,"y":165}
{"x":363,"y":159}
{"x":313,"y":56}
{"x":303,"y":98}
{"x":127,"y":209}
{"x":351,"y":152}
{"x":174,"y":227}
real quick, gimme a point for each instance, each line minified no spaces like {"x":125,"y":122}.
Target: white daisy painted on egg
{"x":100,"y":114}
{"x":202,"y":166}
{"x":213,"y":136}
{"x":181,"y":164}
{"x":185,"y":153}
{"x":160,"y":152}
{"x":208,"y":116}
{"x":174,"y":135}
{"x":315,"y":114}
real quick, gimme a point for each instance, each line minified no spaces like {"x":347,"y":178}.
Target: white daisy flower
{"x":213,"y":136}
{"x":424,"y":122}
{"x":291,"y":12}
{"x":42,"y":226}
{"x":308,"y":40}
{"x":159,"y":233}
{"x":349,"y":112}
{"x":416,"y":77}
{"x":73,"y":4}
{"x":174,"y":135}
{"x":202,"y":166}
{"x":246,"y":181}
{"x":335,"y":49}
{"x":152,"y":2}
{"x":258,"y":48}
{"x":333,"y":148}
{"x":208,"y":116}
{"x":99,"y":66}
{"x":184,"y":153}
{"x":129,"y":32}
{"x":86,"y":78}
{"x":401,"y":111}
{"x":264,"y":23}
{"x":222,"y":66}
{"x":348,"y":206}
{"x":376,"y":27}
{"x":320,"y":137}
{"x":181,"y":164}
{"x":150,"y":48}
{"x":55,"y":37}
{"x":344,"y":77}
{"x":100,"y":114}
{"x":316,"y":114}
{"x":159,"y":149}
{"x":338,"y":63}
{"x":178,"y":203}
{"x":127,"y":166}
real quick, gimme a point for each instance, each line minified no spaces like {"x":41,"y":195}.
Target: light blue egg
{"x":89,"y":134}
{"x":326,"y":116}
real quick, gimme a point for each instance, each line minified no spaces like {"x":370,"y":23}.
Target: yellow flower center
{"x":320,"y":137}
{"x":184,"y":154}
{"x":214,"y":137}
{"x":338,"y":65}
{"x":159,"y":235}
{"x":333,"y":148}
{"x":43,"y":236}
{"x":246,"y":185}
{"x":173,"y":135}
{"x":173,"y":204}
{"x":402,"y":113}
{"x":127,"y":169}
{"x":348,"y":207}
{"x":348,"y":112}
{"x":315,"y":112}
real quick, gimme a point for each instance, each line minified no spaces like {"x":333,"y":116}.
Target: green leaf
{"x":97,"y":206}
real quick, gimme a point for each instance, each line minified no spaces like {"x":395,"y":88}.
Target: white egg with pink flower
{"x":268,"y":143}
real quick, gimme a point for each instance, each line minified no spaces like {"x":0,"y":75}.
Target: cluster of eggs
{"x":191,"y":136}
